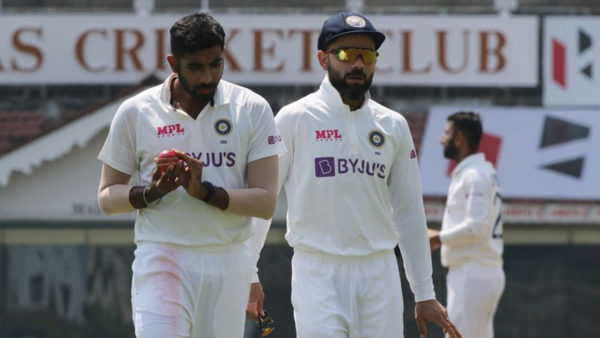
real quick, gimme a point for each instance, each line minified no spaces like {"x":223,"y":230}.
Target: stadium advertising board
{"x":533,"y":213}
{"x":539,"y":153}
{"x":571,"y":47}
{"x":474,"y":50}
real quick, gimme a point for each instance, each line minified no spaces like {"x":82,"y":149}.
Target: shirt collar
{"x":222,"y":94}
{"x":331,"y":94}
{"x":467,"y":161}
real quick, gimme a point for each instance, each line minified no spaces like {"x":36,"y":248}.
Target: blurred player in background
{"x":471,"y":235}
{"x":192,"y":272}
{"x":352,"y":182}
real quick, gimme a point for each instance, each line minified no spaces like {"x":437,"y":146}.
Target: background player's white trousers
{"x":347,"y":297}
{"x":179,"y":291}
{"x":474,"y":291}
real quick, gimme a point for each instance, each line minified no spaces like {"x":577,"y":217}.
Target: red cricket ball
{"x":166,"y":158}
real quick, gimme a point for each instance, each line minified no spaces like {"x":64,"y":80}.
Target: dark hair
{"x":195,"y":32}
{"x":469,"y":124}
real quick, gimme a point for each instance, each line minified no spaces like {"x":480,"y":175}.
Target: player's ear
{"x":172,"y":62}
{"x":322,"y":56}
{"x":459,"y":139}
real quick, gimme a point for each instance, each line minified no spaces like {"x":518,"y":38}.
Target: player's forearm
{"x":414,"y":246}
{"x":121,"y":198}
{"x":115,"y":199}
{"x":257,"y":242}
{"x":413,"y":241}
{"x":252,"y":202}
{"x":461,"y":234}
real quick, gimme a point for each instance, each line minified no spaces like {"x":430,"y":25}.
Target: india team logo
{"x":376,"y":138}
{"x":223,"y":127}
{"x":355,"y":21}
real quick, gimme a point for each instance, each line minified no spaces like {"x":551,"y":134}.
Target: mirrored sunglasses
{"x":350,"y":54}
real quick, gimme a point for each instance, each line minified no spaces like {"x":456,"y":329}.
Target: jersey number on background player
{"x":498,"y":219}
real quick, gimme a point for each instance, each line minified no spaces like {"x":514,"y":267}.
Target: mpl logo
{"x":328,"y":135}
{"x":170,"y":130}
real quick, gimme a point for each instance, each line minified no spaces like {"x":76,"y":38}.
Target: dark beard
{"x":191,"y":91}
{"x":354,"y":92}
{"x":450,"y":150}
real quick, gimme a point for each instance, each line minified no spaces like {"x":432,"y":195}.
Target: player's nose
{"x":358,"y":63}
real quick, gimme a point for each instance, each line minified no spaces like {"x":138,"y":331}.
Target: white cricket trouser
{"x":347,"y":297}
{"x":474,"y":291}
{"x":195,"y":292}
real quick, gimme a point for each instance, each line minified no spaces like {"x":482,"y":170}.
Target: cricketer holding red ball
{"x":192,"y":272}
{"x":165,"y":159}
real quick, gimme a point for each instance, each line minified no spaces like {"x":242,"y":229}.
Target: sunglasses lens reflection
{"x":351,"y":54}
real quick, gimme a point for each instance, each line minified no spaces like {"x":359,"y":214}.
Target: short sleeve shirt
{"x":236,"y":128}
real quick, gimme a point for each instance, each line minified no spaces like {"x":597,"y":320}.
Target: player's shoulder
{"x":242,"y":96}
{"x":394,"y":122}
{"x":477,"y":173}
{"x":300,"y":107}
{"x":384,"y":113}
{"x":140,"y":102}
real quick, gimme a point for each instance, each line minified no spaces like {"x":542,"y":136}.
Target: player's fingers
{"x":251,"y":311}
{"x":156,"y":174}
{"x":176,"y":176}
{"x":183,"y":178}
{"x":260,"y":304}
{"x":448,"y":327}
{"x":190,"y":161}
{"x":163,"y":181}
{"x":252,"y":315}
{"x":183,"y":156}
{"x":178,"y":168}
{"x":453,"y":333}
{"x":422,"y":328}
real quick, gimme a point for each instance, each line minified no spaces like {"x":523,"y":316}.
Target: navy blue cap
{"x":346,"y":23}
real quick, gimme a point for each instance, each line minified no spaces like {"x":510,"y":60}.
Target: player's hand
{"x":170,"y":180}
{"x":433,"y":311}
{"x":434,"y":239}
{"x":193,"y":175}
{"x":255,"y":302}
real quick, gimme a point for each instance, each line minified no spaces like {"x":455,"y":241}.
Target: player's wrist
{"x":153,"y":192}
{"x":143,"y":196}
{"x":207,"y":191}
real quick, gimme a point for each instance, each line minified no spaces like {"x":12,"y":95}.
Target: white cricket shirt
{"x":235,"y":129}
{"x":352,"y":182}
{"x":472,"y":223}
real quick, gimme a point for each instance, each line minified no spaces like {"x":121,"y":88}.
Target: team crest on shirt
{"x":223,"y":127}
{"x":376,"y":138}
{"x":355,"y":21}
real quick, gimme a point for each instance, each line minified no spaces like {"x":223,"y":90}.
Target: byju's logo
{"x":170,"y":130}
{"x":328,"y":166}
{"x":325,"y":166}
{"x":274,"y":139}
{"x":328,"y":135}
